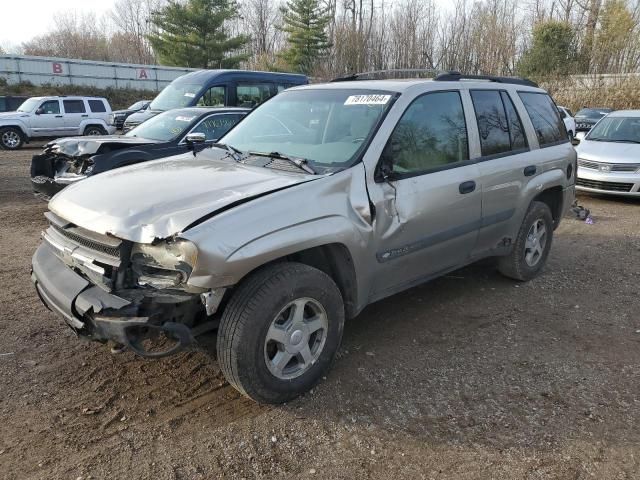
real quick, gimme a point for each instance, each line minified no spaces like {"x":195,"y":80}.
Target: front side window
{"x":213,"y":97}
{"x":431,"y":134}
{"x":215,"y":126}
{"x":617,"y":130}
{"x":74,"y":106}
{"x":545,"y":118}
{"x":252,"y":95}
{"x":97,"y":106}
{"x":327,"y":127}
{"x":50,"y":107}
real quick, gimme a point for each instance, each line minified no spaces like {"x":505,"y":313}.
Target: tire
{"x":11,"y":138}
{"x":94,"y":130}
{"x":531,"y":249}
{"x":254,"y":316}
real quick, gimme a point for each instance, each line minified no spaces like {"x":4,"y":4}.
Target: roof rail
{"x":394,"y":73}
{"x":454,"y":76}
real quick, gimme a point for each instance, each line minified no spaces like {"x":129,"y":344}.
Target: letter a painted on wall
{"x":57,"y":68}
{"x":142,"y":74}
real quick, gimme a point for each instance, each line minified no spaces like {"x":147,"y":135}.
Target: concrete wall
{"x":65,"y":71}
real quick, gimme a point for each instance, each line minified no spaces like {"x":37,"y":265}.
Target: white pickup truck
{"x":54,"y":117}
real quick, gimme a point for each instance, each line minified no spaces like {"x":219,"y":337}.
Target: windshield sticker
{"x":190,"y":95}
{"x":367,"y":99}
{"x":184,"y":119}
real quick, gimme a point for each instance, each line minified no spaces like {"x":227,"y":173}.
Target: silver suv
{"x":323,"y":200}
{"x":54,"y":117}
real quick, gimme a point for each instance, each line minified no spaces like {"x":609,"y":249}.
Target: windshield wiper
{"x":301,"y":163}
{"x":233,"y":151}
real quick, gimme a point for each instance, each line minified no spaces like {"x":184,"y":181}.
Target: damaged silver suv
{"x":323,"y":200}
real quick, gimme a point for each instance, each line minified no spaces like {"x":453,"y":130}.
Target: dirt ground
{"x":469,"y":376}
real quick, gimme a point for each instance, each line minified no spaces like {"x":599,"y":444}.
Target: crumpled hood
{"x":609,"y":151}
{"x":78,"y":146}
{"x":160,"y":198}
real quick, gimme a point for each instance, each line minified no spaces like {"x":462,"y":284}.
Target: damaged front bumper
{"x":129,"y":318}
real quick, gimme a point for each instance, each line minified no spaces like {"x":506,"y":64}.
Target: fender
{"x":19,"y":124}
{"x":92,"y":121}
{"x":538,"y":184}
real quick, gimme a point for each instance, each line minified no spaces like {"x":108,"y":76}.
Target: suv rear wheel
{"x":280,"y":332}
{"x":532,"y":245}
{"x":11,"y":138}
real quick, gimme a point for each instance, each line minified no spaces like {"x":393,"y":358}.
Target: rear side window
{"x":545,"y":118}
{"x":252,"y":95}
{"x":516,"y":130}
{"x":430,"y":135}
{"x":74,"y":106}
{"x":498,"y":123}
{"x":97,"y":106}
{"x":214,"y":97}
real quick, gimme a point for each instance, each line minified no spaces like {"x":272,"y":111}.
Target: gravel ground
{"x":469,"y":376}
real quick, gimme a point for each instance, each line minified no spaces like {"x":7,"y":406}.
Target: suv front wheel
{"x":532,"y":244}
{"x":11,"y":138}
{"x":280,"y":332}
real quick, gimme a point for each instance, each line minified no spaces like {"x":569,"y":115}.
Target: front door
{"x":428,"y":210}
{"x":48,"y":121}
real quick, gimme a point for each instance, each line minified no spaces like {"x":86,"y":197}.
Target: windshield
{"x":176,"y":95}
{"x":137,"y":105}
{"x":592,"y":113}
{"x":29,"y":105}
{"x":164,"y":127}
{"x":616,"y":129}
{"x":328,"y":128}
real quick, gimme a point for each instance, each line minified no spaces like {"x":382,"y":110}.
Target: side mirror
{"x":193,"y":139}
{"x":40,"y":111}
{"x":575,"y":141}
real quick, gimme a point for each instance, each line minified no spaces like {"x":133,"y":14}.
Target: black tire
{"x":94,"y":130}
{"x":11,"y":138}
{"x":517,"y":265}
{"x":248,"y":317}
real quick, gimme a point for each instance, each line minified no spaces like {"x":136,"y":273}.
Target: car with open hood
{"x":69,"y":160}
{"x":609,"y":156}
{"x":323,"y":200}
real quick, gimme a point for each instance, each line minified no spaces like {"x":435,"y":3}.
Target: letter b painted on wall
{"x":57,"y":68}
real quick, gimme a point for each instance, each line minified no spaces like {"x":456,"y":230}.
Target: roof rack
{"x":457,"y":76}
{"x":394,"y":73}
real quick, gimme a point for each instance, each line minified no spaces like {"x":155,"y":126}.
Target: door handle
{"x":467,"y":187}
{"x":85,"y":115}
{"x":530,"y":170}
{"x":58,"y":116}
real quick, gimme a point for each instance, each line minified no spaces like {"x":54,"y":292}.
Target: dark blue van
{"x":218,"y":88}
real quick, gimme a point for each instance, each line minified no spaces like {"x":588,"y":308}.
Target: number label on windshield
{"x":367,"y":99}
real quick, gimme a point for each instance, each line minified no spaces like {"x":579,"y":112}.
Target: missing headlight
{"x":167,"y":264}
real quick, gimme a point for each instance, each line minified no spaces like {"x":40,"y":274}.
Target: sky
{"x":29,"y":18}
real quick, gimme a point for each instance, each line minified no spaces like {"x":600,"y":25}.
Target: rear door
{"x":75,"y":111}
{"x":506,"y":165}
{"x":428,"y":210}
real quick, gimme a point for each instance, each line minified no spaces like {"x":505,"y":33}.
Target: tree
{"x":132,"y":21}
{"x":552,"y":51}
{"x":194,"y":34}
{"x":305,"y":23}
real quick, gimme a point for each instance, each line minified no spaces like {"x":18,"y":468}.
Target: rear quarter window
{"x":97,"y":106}
{"x":545,"y":118}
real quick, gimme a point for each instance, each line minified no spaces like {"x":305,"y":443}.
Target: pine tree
{"x":305,"y":23}
{"x":193,"y":34}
